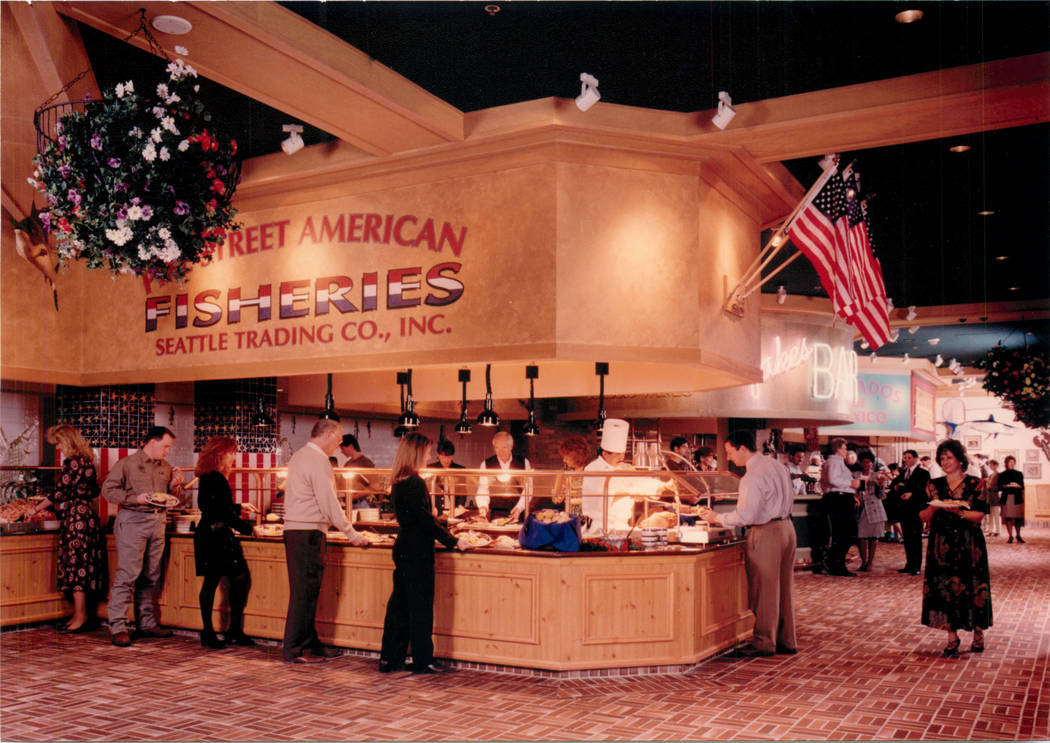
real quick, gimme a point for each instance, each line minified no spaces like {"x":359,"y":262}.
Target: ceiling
{"x":934,"y":247}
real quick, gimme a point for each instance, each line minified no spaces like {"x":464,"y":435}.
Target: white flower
{"x":122,"y":88}
{"x":134,"y":212}
{"x":144,"y":253}
{"x":179,"y":69}
{"x":164,"y":232}
{"x":136,"y":133}
{"x":173,"y":98}
{"x":170,"y":253}
{"x":155,"y":135}
{"x":168,"y":124}
{"x":159,"y":111}
{"x":164,"y":154}
{"x":183,"y":146}
{"x":162,"y":90}
{"x":149,"y":152}
{"x":119,"y":236}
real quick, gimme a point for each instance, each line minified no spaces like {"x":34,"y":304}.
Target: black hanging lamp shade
{"x":601,"y":368}
{"x":463,"y":427}
{"x":488,"y":417}
{"x":531,"y":429}
{"x":329,"y":403}
{"x":408,"y":418}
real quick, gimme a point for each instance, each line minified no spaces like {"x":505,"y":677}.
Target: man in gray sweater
{"x":310,"y":506}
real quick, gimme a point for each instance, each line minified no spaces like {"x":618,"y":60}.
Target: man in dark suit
{"x":910,"y":487}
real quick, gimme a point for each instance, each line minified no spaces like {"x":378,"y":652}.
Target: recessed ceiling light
{"x":960,"y":148}
{"x":986,"y":212}
{"x":1013,"y":288}
{"x":172,"y":24}
{"x":908,"y":16}
{"x":1002,"y":257}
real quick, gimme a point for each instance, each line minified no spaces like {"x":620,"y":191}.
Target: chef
{"x":610,"y":458}
{"x":505,"y":493}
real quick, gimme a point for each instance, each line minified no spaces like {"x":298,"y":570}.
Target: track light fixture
{"x":463,"y":427}
{"x":329,"y":403}
{"x":939,"y":360}
{"x":589,"y":94}
{"x":904,"y":359}
{"x":725,"y":112}
{"x":531,"y":374}
{"x":601,"y":368}
{"x":294,"y":141}
{"x":911,"y":313}
{"x":408,"y":418}
{"x":782,"y":294}
{"x":488,"y":417}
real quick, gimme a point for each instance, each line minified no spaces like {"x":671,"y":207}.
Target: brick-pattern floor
{"x":867,"y":670}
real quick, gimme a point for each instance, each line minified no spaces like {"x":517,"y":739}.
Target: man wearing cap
{"x":610,"y":458}
{"x":764,"y":506}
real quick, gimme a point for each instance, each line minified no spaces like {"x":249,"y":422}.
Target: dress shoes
{"x":908,"y":570}
{"x":153,"y":632}
{"x":324,"y":652}
{"x":385,"y":667}
{"x":750,"y":651}
{"x":240,"y":639}
{"x":121,"y":639}
{"x":785,"y":650}
{"x":433,"y":667}
{"x":307,"y":659}
{"x":211,"y":641}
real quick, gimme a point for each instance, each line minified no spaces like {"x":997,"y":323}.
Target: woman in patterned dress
{"x":81,"y":550}
{"x":956,"y":590}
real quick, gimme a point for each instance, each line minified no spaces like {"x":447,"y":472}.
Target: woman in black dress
{"x":1011,"y":498}
{"x":410,"y":610}
{"x":956,"y":590}
{"x":81,"y":548}
{"x":216,"y":551}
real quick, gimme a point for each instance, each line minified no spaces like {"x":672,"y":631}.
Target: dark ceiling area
{"x":934,"y":246}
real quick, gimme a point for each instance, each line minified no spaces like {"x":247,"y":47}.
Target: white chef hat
{"x":614,"y":435}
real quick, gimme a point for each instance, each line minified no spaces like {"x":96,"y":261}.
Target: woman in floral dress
{"x":81,"y":549}
{"x":956,"y":590}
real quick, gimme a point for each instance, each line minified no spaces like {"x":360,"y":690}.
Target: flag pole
{"x":734,"y":302}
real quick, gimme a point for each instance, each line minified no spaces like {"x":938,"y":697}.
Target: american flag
{"x":832,"y":232}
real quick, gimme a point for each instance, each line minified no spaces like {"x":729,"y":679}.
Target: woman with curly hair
{"x":576,"y":453}
{"x":81,"y":546}
{"x":216,"y":552}
{"x":956,"y":589}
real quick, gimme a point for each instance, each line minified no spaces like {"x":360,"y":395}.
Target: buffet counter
{"x":543,"y":610}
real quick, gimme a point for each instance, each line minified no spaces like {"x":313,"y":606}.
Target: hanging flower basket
{"x":1021,"y":379}
{"x":138,"y":182}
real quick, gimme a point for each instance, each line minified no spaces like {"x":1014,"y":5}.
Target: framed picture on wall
{"x":1033,"y":471}
{"x":1031,"y":455}
{"x":1002,"y":454}
{"x":973,"y":444}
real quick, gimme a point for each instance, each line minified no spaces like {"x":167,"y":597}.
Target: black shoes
{"x":209,"y":640}
{"x":785,"y":650}
{"x":240,"y":639}
{"x":304,"y":659}
{"x":909,"y":571}
{"x":433,"y":667}
{"x":951,"y":650}
{"x":386,"y":667}
{"x":153,"y":632}
{"x":324,"y":652}
{"x":121,"y":639}
{"x":85,"y":627}
{"x":750,"y":651}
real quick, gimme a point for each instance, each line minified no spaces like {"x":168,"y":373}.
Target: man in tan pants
{"x":764,"y":506}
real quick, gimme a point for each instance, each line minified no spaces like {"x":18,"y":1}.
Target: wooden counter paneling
{"x":535,"y":610}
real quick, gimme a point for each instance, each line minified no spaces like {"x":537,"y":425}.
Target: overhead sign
{"x":882,"y":407}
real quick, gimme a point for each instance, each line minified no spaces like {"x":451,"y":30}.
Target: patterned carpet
{"x":867,"y":670}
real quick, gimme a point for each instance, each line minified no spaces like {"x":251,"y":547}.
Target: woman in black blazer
{"x":1011,"y":498}
{"x":216,"y":552}
{"x":410,"y":610}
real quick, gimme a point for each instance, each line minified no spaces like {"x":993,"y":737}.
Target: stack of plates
{"x":652,"y":537}
{"x":277,"y":507}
